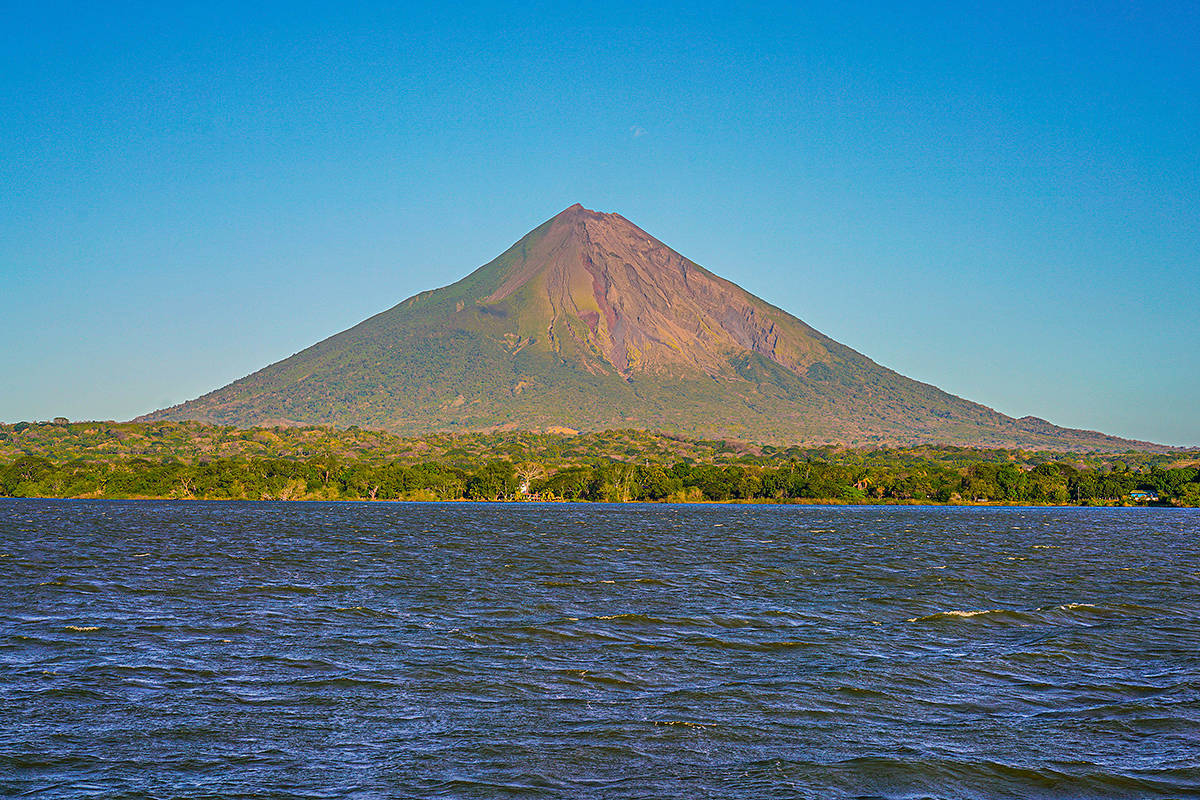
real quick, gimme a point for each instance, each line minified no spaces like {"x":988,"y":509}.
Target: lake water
{"x":311,"y":650}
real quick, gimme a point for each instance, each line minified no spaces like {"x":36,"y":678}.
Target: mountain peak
{"x":617,"y":300}
{"x":577,"y":212}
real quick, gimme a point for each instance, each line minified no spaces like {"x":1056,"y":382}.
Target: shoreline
{"x":514,"y":502}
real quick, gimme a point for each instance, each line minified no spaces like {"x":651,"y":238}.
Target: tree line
{"x":811,"y":479}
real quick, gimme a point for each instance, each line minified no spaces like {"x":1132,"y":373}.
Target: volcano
{"x":589,"y":323}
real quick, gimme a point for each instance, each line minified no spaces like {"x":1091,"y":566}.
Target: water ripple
{"x":316,"y":650}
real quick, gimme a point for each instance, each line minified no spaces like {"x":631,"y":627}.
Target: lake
{"x":362,"y":650}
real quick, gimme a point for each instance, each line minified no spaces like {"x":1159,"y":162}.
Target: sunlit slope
{"x":589,"y":323}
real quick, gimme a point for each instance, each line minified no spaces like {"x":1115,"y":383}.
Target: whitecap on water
{"x":957,"y":613}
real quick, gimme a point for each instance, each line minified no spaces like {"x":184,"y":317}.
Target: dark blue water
{"x":167,"y":649}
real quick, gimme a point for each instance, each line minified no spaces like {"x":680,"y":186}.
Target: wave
{"x":362,"y":611}
{"x":640,"y":619}
{"x":1074,"y":612}
{"x":987,"y":613}
{"x":939,"y":777}
{"x":746,"y":645}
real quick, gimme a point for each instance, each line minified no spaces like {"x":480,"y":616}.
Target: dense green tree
{"x":495,"y":480}
{"x":186,"y":460}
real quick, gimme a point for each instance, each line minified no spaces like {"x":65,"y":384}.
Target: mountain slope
{"x":589,"y":323}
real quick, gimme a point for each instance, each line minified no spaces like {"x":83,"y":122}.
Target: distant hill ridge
{"x":590,"y":323}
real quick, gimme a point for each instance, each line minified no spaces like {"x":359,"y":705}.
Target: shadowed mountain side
{"x":589,"y":323}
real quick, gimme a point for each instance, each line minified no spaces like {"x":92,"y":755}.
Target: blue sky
{"x":1000,"y":199}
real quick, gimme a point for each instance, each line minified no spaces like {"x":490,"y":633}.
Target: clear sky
{"x":1002,"y":199}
